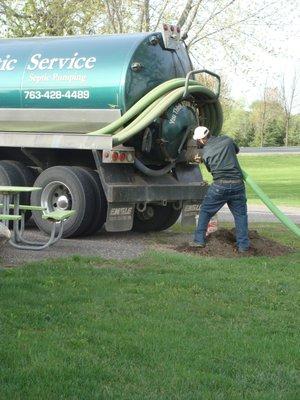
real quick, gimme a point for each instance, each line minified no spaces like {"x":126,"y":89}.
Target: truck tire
{"x":65,"y":188}
{"x":99,"y":217}
{"x":8,"y":175}
{"x":22,"y":174}
{"x":162,"y":218}
{"x":170,"y":220}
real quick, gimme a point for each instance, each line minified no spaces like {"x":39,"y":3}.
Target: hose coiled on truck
{"x":156,"y":102}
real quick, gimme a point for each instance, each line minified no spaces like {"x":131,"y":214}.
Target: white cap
{"x":200,"y":132}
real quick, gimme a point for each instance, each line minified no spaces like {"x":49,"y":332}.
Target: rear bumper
{"x":124,"y":184}
{"x":151,"y":193}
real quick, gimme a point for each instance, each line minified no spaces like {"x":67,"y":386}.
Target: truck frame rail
{"x":71,"y":141}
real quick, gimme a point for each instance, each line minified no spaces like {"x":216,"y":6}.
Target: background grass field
{"x":163,"y":326}
{"x":278,"y":176}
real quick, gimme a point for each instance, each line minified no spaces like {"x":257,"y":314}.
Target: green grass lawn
{"x":278,"y":176}
{"x":162,"y":326}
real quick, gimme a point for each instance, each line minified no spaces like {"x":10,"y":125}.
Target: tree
{"x":263,"y":112}
{"x":294,"y":131}
{"x":287,"y":101}
{"x":49,"y":17}
{"x":225,"y":24}
{"x":237,"y":124}
{"x":274,"y":133}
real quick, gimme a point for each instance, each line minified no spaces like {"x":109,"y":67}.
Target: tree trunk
{"x":185,"y":13}
{"x":287,"y":126}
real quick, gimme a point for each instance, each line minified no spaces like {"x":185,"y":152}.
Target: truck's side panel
{"x":71,"y":72}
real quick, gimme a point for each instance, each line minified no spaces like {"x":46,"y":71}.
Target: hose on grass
{"x":286,"y":221}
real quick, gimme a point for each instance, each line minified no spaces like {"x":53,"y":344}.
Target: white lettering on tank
{"x":76,"y":63}
{"x":52,"y":61}
{"x":90,"y":63}
{"x":44,"y":63}
{"x":7,"y":63}
{"x":35,"y":61}
{"x":72,"y":61}
{"x":62,"y":62}
{"x":38,"y":63}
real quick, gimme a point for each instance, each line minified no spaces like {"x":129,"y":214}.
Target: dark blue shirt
{"x":219,"y":156}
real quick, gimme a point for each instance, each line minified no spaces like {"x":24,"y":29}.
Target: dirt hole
{"x":222,"y":243}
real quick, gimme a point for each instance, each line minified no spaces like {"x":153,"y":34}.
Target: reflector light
{"x":172,"y":28}
{"x":165,"y":27}
{"x":122,"y":156}
{"x":106,"y":154}
{"x":178,"y":29}
{"x":129,"y":157}
{"x":114,"y":156}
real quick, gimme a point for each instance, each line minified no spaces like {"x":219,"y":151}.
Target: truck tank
{"x":97,"y":74}
{"x":53,"y":91}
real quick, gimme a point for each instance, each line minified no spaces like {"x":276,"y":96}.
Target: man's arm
{"x":198,"y":159}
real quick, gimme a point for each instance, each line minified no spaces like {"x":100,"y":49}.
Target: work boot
{"x":244,"y":251}
{"x":195,"y":244}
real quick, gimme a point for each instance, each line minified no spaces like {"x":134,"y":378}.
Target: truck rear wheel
{"x":15,"y":173}
{"x":100,"y":199}
{"x":9,"y":177}
{"x":155,"y":218}
{"x":65,"y":188}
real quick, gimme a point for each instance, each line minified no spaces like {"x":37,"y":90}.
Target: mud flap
{"x":190,"y":211}
{"x":119,"y":217}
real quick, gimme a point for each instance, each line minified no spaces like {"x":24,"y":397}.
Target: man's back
{"x":219,"y":156}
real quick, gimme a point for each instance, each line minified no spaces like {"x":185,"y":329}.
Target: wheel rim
{"x":56,"y":196}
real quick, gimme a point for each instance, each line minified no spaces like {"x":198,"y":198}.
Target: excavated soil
{"x":222,"y":243}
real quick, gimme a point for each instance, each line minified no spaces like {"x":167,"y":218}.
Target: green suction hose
{"x":144,"y":102}
{"x":160,"y":106}
{"x":155,"y":103}
{"x":268,"y":202}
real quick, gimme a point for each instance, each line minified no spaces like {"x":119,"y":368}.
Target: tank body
{"x":80,"y":84}
{"x":108,"y":72}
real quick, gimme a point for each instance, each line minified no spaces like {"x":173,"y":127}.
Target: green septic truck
{"x":103,"y":124}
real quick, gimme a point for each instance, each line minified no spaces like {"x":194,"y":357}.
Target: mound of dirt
{"x":222,"y":243}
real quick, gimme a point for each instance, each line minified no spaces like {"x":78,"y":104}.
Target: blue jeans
{"x":217,"y":195}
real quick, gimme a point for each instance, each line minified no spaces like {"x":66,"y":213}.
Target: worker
{"x":219,"y":157}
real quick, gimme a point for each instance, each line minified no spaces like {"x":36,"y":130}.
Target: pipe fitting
{"x":153,"y":40}
{"x":141,"y":207}
{"x":136,"y":66}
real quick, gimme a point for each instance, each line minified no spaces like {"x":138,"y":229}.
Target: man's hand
{"x":198,"y":158}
